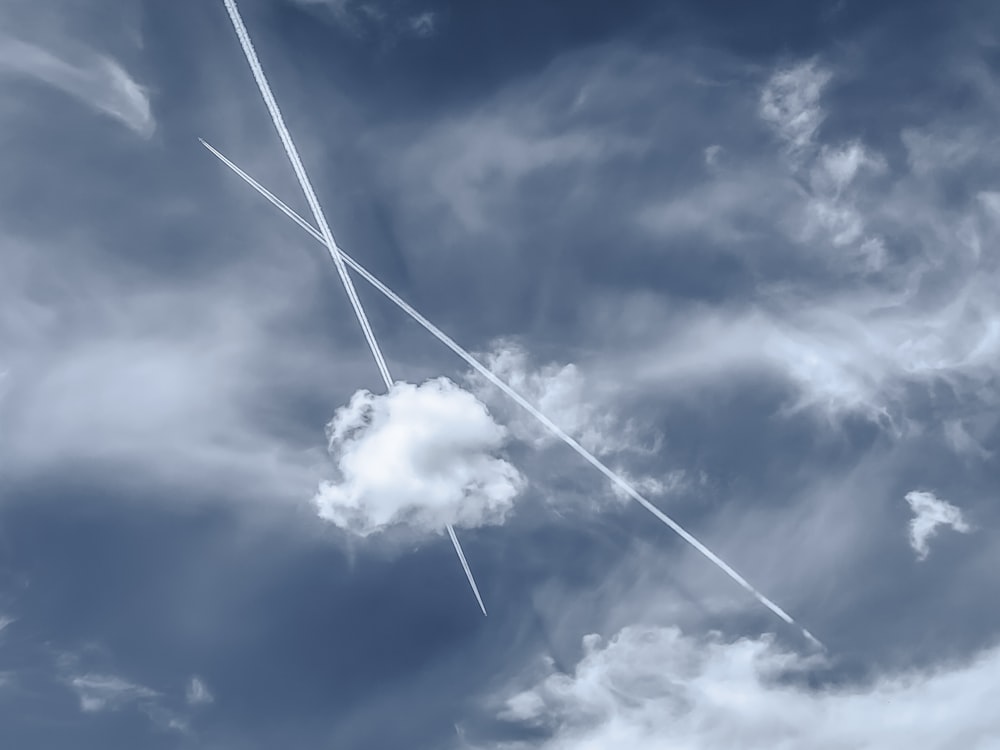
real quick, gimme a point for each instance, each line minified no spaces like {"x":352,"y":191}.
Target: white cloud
{"x":652,"y":688}
{"x":649,"y":486}
{"x":155,"y":379}
{"x":423,"y":455}
{"x":790,"y":102}
{"x":95,"y":79}
{"x":177,"y":406}
{"x":561,"y":392}
{"x":101,"y":692}
{"x":197,"y":693}
{"x":853,"y":351}
{"x":931,"y":315}
{"x":831,"y":209}
{"x":929,"y":514}
{"x":818,"y":199}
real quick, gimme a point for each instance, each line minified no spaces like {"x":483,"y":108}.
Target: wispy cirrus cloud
{"x":790,"y":101}
{"x":870,"y":318}
{"x":94,"y":79}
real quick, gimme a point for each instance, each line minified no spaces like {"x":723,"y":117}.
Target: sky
{"x":745,"y":254}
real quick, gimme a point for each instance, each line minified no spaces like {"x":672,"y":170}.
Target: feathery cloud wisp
{"x":790,"y":102}
{"x":94,"y":79}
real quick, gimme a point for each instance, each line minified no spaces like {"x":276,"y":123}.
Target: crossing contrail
{"x":327,"y":235}
{"x":521,"y":401}
{"x":305,"y":184}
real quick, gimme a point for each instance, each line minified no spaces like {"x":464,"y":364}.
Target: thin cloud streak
{"x":615,"y":478}
{"x":300,"y":173}
{"x":96,"y":80}
{"x":465,"y":566}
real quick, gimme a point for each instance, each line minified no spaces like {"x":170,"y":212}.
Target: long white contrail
{"x":551,"y":426}
{"x":465,"y":566}
{"x":326,"y":234}
{"x":305,"y":184}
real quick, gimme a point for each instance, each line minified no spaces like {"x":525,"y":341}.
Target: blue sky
{"x":746,"y":256}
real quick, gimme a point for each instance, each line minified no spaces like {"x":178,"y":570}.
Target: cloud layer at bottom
{"x":650,"y":688}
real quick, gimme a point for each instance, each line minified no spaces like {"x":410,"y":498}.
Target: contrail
{"x":465,"y":567}
{"x":305,"y":184}
{"x":551,"y":426}
{"x":326,"y":234}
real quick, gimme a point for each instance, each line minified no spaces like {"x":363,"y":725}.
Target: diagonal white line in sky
{"x":331,"y":244}
{"x":523,"y":403}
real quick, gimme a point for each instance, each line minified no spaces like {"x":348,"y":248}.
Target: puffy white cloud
{"x":96,"y":80}
{"x":650,"y":688}
{"x":929,"y":514}
{"x":197,"y":693}
{"x":790,"y":102}
{"x":424,"y":455}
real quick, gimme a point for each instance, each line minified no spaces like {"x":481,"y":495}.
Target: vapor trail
{"x":465,"y":567}
{"x":326,"y":234}
{"x":551,"y":426}
{"x":306,"y":185}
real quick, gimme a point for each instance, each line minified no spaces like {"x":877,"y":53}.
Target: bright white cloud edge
{"x":650,"y":688}
{"x":424,"y":455}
